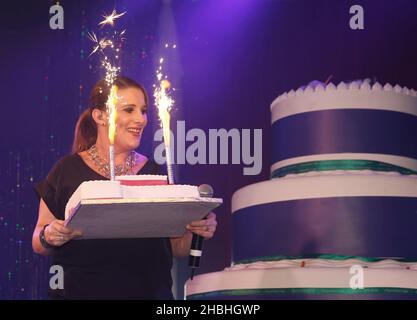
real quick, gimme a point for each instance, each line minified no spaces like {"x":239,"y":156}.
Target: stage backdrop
{"x":232,"y":58}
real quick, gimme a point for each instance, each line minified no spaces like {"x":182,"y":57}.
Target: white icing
{"x":365,"y":86}
{"x":323,"y":263}
{"x":342,"y":86}
{"x":386,"y":275}
{"x":355,"y":95}
{"x":397,"y":88}
{"x":330,"y":87}
{"x":320,"y":88}
{"x":377,"y":86}
{"x":354,"y":86}
{"x":325,"y":185}
{"x":388,"y":87}
{"x":309,"y":90}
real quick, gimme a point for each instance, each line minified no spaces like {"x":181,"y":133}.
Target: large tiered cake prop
{"x":338,"y":219}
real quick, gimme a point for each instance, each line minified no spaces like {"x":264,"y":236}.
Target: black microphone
{"x":206,"y":191}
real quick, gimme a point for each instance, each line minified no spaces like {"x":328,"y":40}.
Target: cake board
{"x":138,"y":218}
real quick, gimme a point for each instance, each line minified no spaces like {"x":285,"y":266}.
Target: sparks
{"x":164,"y":103}
{"x":110,"y":18}
{"x":92,"y":36}
{"x":100,"y":44}
{"x":111,"y":72}
{"x":109,"y":60}
{"x":162,"y":100}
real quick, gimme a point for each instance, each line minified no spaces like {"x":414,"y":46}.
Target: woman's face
{"x":131,"y":118}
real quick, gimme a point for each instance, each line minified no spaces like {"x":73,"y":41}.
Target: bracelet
{"x":42,"y":239}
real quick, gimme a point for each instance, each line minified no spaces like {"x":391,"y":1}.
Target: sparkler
{"x":109,"y":63}
{"x":112,"y":111}
{"x":164,"y":103}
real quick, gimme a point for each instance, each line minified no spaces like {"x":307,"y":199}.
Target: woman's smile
{"x":135,"y":131}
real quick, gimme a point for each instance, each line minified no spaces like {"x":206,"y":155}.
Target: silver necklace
{"x":104,"y":165}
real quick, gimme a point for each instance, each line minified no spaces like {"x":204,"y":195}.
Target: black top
{"x":109,"y":268}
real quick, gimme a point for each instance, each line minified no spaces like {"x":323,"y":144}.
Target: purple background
{"x":233,"y":58}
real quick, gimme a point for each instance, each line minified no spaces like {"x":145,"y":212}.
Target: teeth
{"x":134,"y":130}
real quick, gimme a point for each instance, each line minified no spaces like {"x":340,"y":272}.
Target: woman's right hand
{"x":56,"y":234}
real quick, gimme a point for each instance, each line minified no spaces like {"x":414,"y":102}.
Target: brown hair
{"x":85,"y":134}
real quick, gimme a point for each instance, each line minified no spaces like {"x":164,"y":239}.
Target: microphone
{"x":206,"y":191}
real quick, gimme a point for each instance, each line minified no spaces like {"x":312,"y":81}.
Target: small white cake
{"x":129,"y":187}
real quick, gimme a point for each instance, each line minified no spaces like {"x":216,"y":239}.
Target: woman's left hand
{"x":205,"y":227}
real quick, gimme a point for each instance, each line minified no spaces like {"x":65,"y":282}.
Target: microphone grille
{"x":205,"y":190}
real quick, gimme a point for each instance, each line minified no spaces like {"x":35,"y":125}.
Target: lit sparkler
{"x":164,"y":103}
{"x":112,"y":112}
{"x":109,"y":61}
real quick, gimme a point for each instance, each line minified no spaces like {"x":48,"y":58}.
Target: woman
{"x":113,"y":268}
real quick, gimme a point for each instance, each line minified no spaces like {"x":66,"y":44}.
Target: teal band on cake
{"x":330,"y":165}
{"x":305,"y":291}
{"x":334,"y":257}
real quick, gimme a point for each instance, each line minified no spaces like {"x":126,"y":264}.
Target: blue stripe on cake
{"x":344,"y":130}
{"x":351,"y":226}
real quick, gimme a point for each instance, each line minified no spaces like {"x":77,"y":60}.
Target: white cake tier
{"x":345,"y":126}
{"x":338,"y":183}
{"x":324,"y":263}
{"x":351,"y":96}
{"x":114,"y":190}
{"x":307,"y":274}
